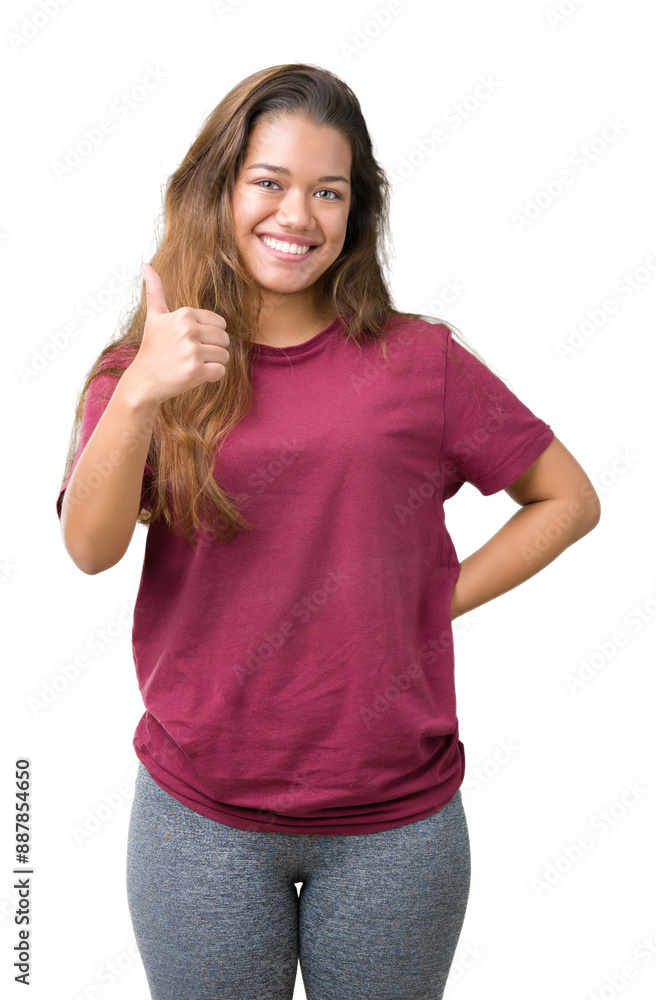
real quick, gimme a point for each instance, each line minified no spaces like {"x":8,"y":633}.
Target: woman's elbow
{"x":587,"y":508}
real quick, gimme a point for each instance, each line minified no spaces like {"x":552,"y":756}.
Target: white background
{"x":556,"y":82}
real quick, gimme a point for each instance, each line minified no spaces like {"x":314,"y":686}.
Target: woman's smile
{"x":287,"y":251}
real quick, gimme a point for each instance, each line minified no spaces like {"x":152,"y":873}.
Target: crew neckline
{"x":306,"y":347}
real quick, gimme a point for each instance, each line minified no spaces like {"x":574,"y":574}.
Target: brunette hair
{"x":201,"y":266}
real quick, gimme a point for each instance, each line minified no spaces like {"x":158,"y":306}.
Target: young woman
{"x":290,"y":439}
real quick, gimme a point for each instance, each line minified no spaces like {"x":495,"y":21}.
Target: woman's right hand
{"x":179,"y":350}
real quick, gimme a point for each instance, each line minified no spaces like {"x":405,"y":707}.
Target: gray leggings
{"x":217,"y":916}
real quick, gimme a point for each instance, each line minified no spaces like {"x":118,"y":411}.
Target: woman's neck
{"x":295,"y":329}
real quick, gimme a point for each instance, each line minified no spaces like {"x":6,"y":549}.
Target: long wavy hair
{"x":201,"y":266}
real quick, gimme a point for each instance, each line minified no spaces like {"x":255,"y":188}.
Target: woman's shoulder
{"x":418,"y":328}
{"x":419,"y":337}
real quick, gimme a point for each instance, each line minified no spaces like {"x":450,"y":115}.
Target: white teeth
{"x":285,"y":247}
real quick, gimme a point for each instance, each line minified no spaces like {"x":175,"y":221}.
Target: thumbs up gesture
{"x":179,"y":350}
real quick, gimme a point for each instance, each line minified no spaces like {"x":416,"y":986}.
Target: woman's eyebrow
{"x":329,"y":178}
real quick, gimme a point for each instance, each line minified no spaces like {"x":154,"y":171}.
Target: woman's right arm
{"x":102,"y":501}
{"x":179,"y":351}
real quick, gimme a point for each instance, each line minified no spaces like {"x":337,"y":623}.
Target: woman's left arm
{"x":559,"y":506}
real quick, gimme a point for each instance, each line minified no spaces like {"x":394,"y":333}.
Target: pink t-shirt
{"x":300,"y":679}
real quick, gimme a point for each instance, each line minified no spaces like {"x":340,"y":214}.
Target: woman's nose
{"x":295,"y":212}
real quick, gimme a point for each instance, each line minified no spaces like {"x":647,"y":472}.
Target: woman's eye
{"x":326,"y":190}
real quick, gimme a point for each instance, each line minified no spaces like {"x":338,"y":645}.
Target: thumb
{"x":155,"y":299}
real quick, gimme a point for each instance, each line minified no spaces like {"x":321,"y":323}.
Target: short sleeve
{"x":490,"y":437}
{"x":98,"y":395}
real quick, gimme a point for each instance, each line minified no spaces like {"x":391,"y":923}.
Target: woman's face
{"x":307,"y":196}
